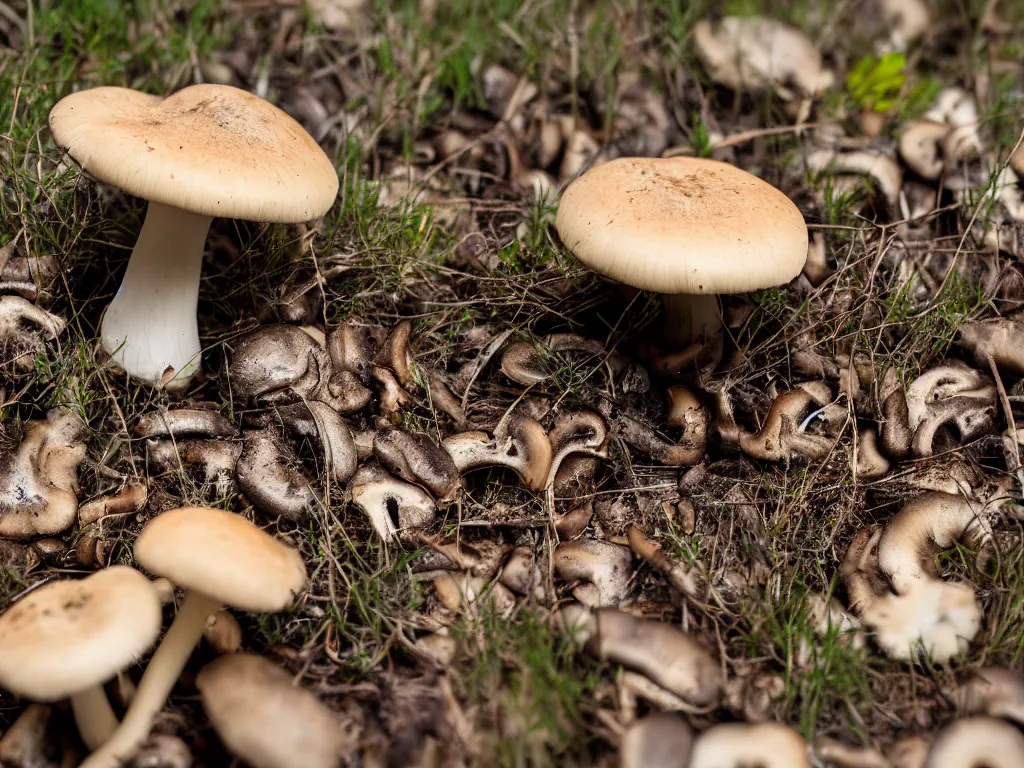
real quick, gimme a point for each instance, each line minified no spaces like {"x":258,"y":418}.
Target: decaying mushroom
{"x":215,"y":460}
{"x":326,"y":430}
{"x":685,"y":412}
{"x":126,"y":501}
{"x":882,"y":168}
{"x":752,"y":53}
{"x":524,"y":362}
{"x":784,"y":432}
{"x":871,"y":464}
{"x":956,"y":108}
{"x":39,"y":479}
{"x":267,"y":478}
{"x":576,"y":433}
{"x":661,"y":652}
{"x":184,"y":422}
{"x":415,"y":458}
{"x":943,"y":407}
{"x":937,"y":617}
{"x":280,"y":364}
{"x":464,"y":593}
{"x":23,"y":326}
{"x":602,"y":565}
{"x":906,"y":547}
{"x":662,"y":739}
{"x":993,"y":691}
{"x":1002,"y":340}
{"x":391,"y":504}
{"x":920,"y":146}
{"x":736,"y":745}
{"x":521,"y":573}
{"x":394,"y":353}
{"x":977,"y":742}
{"x":836,"y":754}
{"x":519,"y":443}
{"x":350,"y":350}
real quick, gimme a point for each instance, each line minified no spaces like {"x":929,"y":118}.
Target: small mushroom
{"x":937,"y":617}
{"x":946,"y":397}
{"x":784,"y":430}
{"x":905,"y":548}
{"x":605,"y":567}
{"x":754,"y":52}
{"x":128,"y":500}
{"x":524,"y":362}
{"x":215,"y":459}
{"x":464,"y":593}
{"x":909,"y":751}
{"x":264,"y":718}
{"x":220,"y":559}
{"x":394,"y":352}
{"x":907,"y":21}
{"x":266,"y":479}
{"x":391,"y":504}
{"x":956,"y":108}
{"x":580,"y":432}
{"x":871,"y":464}
{"x":67,"y":638}
{"x":661,"y":652}
{"x":162,"y":750}
{"x":660,"y":740}
{"x":519,"y":443}
{"x":993,"y":691}
{"x":223,"y":633}
{"x":184,"y":422}
{"x":39,"y":479}
{"x":737,"y":745}
{"x":882,"y":168}
{"x":393,"y":397}
{"x":520,"y":572}
{"x":30,"y":741}
{"x":834,"y":753}
{"x":417,"y":459}
{"x":328,"y":432}
{"x":920,"y":146}
{"x":977,"y":742}
{"x":1003,"y":340}
{"x":280,"y":364}
{"x":23,"y":325}
{"x":640,"y":435}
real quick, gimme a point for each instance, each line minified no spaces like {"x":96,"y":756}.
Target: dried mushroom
{"x":519,"y":443}
{"x":391,"y":504}
{"x":268,"y":478}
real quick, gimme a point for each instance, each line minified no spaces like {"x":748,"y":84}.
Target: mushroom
{"x":328,"y":432}
{"x":31,"y":740}
{"x":883,"y":169}
{"x":67,"y":638}
{"x":128,"y":500}
{"x":216,"y":459}
{"x":519,"y":443}
{"x":391,"y":504}
{"x":661,"y":652}
{"x":956,"y":108}
{"x":22,"y":325}
{"x":993,"y":691}
{"x":350,"y":350}
{"x":977,"y":742}
{"x":920,"y":146}
{"x":835,"y":753}
{"x":579,"y":432}
{"x":1002,"y":340}
{"x":660,"y":740}
{"x":220,"y":559}
{"x":524,"y":362}
{"x":949,"y":395}
{"x":39,"y":479}
{"x":755,"y":52}
{"x":184,"y":422}
{"x":462,"y":593}
{"x":603,"y":565}
{"x":520,"y":573}
{"x":205,"y":151}
{"x":905,"y":546}
{"x":393,"y":396}
{"x":640,"y":435}
{"x":268,"y":482}
{"x":871,"y":464}
{"x":162,"y":750}
{"x":651,"y":223}
{"x":784,"y":431}
{"x":280,"y":364}
{"x":264,"y":718}
{"x":394,"y":353}
{"x":907,"y":20}
{"x":737,"y":745}
{"x":935,"y":616}
{"x":417,"y":459}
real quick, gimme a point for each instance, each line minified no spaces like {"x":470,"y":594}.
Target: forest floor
{"x":438,"y":116}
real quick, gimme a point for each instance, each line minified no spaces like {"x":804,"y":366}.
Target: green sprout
{"x":876,"y":82}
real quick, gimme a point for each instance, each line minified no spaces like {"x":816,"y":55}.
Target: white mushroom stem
{"x":690,"y":318}
{"x":157,"y":682}
{"x":94,"y":717}
{"x":150,"y":326}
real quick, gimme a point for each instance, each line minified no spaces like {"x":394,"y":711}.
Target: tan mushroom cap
{"x":977,"y":742}
{"x":682,"y":225}
{"x":264,"y":719}
{"x":223,"y":556}
{"x":69,"y":636}
{"x":208,"y":149}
